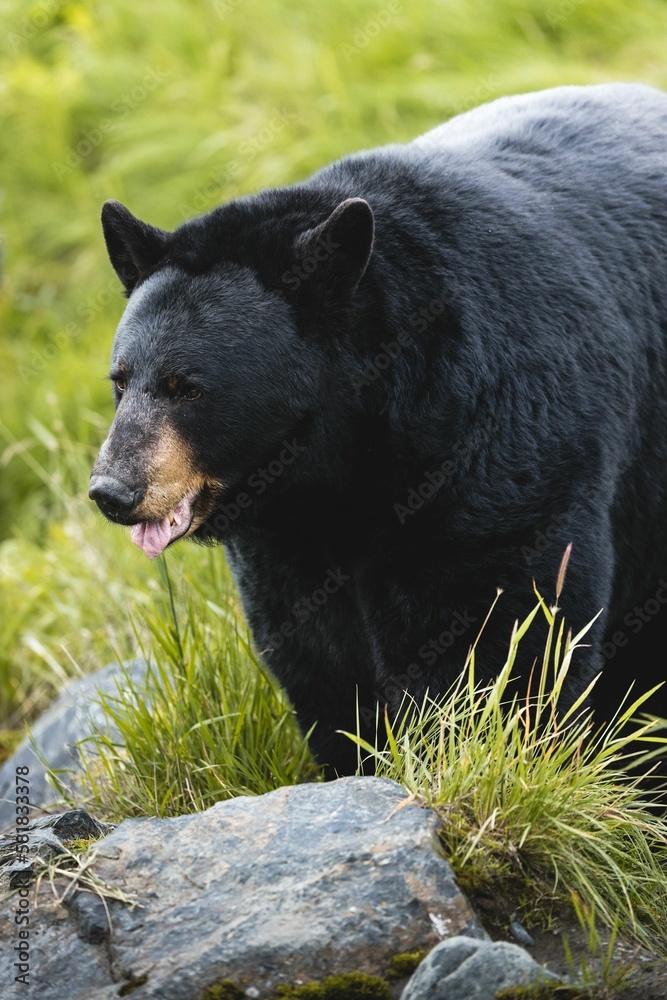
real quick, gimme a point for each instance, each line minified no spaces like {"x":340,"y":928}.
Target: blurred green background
{"x":172,"y":107}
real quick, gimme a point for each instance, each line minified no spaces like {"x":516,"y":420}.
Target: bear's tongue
{"x":154,"y":536}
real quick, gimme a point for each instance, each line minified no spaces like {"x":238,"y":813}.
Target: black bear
{"x":413,"y":377}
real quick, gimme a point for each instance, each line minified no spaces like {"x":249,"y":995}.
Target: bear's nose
{"x":113,"y":497}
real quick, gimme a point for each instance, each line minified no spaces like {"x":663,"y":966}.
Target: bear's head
{"x":224,"y":356}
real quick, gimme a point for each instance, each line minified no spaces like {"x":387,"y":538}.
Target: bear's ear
{"x":134,"y":247}
{"x":331,"y":258}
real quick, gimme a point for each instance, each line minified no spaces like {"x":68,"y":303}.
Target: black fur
{"x":425,"y":370}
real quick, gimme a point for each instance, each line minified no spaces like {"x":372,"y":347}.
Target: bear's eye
{"x":121,"y":384}
{"x":191,"y":392}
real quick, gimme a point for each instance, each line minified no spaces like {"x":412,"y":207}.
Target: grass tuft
{"x":208,"y":723}
{"x":528,"y":796}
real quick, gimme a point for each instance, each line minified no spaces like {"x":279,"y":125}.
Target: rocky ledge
{"x":296,"y":885}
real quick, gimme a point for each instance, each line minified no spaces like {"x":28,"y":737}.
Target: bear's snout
{"x":114,"y":498}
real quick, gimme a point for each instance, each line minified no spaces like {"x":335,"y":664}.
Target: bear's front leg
{"x":306,"y":628}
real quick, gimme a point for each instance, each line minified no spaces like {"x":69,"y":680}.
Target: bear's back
{"x":559,"y":159}
{"x":598,"y":146}
{"x":562,"y":120}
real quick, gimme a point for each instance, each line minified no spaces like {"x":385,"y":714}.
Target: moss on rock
{"x":405,"y":964}
{"x":223,"y":990}
{"x":347,"y":986}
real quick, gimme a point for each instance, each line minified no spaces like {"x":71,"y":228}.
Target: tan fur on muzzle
{"x":171,"y":475}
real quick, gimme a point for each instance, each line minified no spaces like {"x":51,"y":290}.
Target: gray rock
{"x":43,"y":838}
{"x":467,"y":969}
{"x":17,"y":867}
{"x":520,"y":934}
{"x":90,"y":915}
{"x":74,"y":824}
{"x":298,"y":884}
{"x":73,"y":716}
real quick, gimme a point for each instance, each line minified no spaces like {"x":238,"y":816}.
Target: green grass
{"x":68,"y":587}
{"x":535,"y":802}
{"x":173,"y":107}
{"x":208,"y":724}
